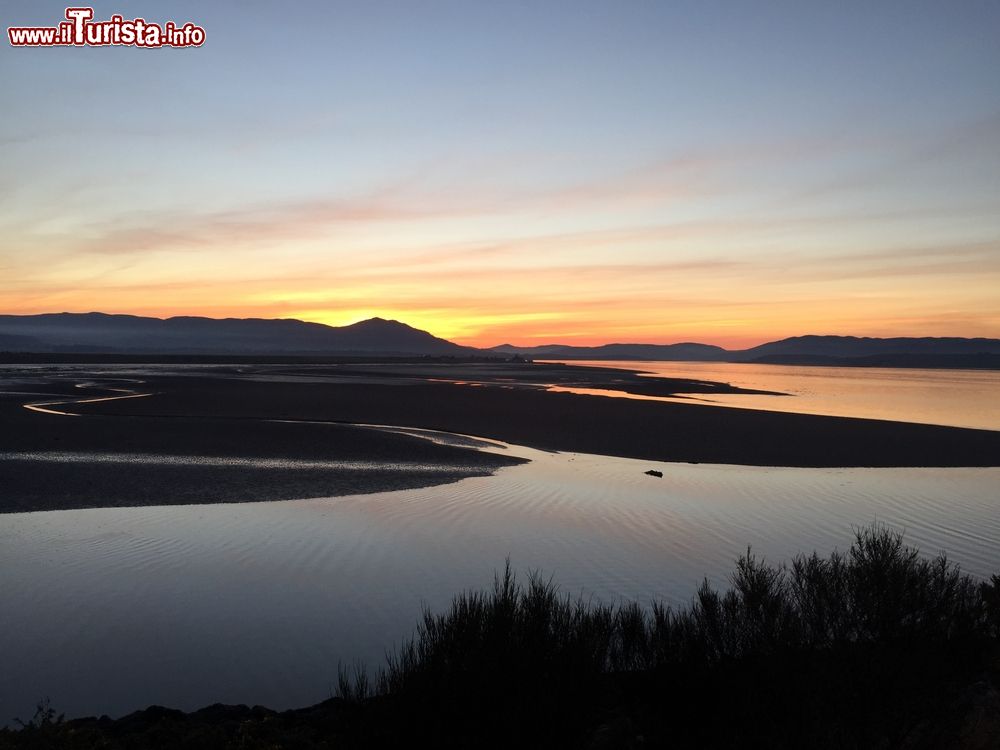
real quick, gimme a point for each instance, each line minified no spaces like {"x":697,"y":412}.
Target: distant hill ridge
{"x":795,"y":350}
{"x":103,"y":333}
{"x":854,"y":346}
{"x":131,"y":334}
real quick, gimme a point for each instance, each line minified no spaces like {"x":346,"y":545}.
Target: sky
{"x":525,"y":172}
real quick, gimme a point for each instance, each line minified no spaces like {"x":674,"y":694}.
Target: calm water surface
{"x":110,"y":610}
{"x":960,"y":398}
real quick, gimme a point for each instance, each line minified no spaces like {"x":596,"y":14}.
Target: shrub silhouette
{"x":878,"y":625}
{"x":881,"y":591}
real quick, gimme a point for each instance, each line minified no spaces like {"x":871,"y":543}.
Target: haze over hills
{"x":129,"y":334}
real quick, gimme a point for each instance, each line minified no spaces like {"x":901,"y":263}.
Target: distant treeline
{"x":876,"y":648}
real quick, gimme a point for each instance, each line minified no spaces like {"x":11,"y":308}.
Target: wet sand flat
{"x":53,"y":462}
{"x":100,"y":438}
{"x":569,"y":422}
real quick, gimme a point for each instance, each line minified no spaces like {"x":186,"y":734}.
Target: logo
{"x":80,"y":30}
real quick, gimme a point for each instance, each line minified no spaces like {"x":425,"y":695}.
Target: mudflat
{"x":250,"y":434}
{"x":658,"y":431}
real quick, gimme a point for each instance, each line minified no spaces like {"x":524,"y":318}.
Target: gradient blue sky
{"x":531,"y":172}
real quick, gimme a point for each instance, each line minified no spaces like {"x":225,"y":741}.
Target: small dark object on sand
{"x":655,"y":473}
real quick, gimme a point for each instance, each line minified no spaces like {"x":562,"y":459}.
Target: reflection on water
{"x":109,"y":610}
{"x":960,"y":398}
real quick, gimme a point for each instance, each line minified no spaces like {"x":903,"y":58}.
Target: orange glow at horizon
{"x":576,"y":277}
{"x":582,"y":328}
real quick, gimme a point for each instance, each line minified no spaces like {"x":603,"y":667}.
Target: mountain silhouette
{"x":853,"y":346}
{"x":130,"y":334}
{"x":103,"y":333}
{"x":842,"y":351}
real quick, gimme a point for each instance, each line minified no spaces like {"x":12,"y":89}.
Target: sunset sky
{"x":524,"y":172}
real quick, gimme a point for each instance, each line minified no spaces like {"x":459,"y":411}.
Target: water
{"x":959,"y":398}
{"x":111,"y":610}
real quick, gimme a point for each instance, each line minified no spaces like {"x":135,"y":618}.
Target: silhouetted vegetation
{"x":878,"y":647}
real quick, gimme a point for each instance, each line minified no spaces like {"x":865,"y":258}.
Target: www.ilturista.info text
{"x":79,"y":29}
